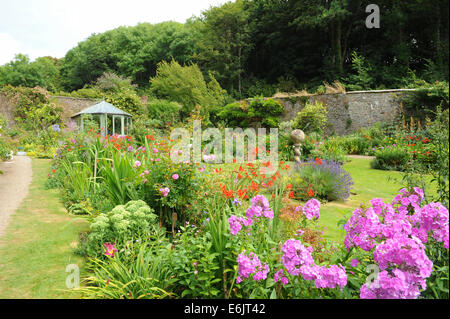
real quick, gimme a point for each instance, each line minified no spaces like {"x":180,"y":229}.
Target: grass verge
{"x":38,"y":244}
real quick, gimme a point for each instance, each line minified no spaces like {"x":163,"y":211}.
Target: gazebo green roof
{"x":102,"y":107}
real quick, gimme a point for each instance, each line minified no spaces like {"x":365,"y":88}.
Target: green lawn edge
{"x":38,"y":244}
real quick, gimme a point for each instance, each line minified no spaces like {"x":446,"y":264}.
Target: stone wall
{"x":348,"y":112}
{"x":69,"y":105}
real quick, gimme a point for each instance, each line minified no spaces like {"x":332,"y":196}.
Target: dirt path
{"x":14,"y":184}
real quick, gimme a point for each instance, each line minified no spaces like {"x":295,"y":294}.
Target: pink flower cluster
{"x":279,"y":276}
{"x":311,"y":209}
{"x":297,"y":260}
{"x":236,"y":224}
{"x":251,"y":264}
{"x":260,"y":207}
{"x":431,"y":219}
{"x":397,"y":233}
{"x":404,"y":268}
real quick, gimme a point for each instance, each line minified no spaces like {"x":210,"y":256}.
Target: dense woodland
{"x":254,"y":47}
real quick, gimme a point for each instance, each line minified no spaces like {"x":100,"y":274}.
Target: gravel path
{"x":14,"y":184}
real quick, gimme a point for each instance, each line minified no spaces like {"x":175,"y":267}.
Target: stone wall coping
{"x":75,"y":98}
{"x":380,"y":91}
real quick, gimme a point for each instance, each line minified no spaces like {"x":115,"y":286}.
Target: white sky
{"x":52,"y":27}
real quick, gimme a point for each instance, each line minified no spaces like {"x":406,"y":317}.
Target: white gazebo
{"x":111,"y":120}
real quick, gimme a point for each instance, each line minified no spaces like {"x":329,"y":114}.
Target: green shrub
{"x":33,"y":109}
{"x":330,"y":151}
{"x":391,"y":158}
{"x":235,"y":114}
{"x":86,"y":93}
{"x":166,"y":112}
{"x":424,"y":101}
{"x":259,"y":111}
{"x":312,"y":118}
{"x":194,"y":264}
{"x":265,"y":111}
{"x":126,"y":100}
{"x":132,"y":222}
{"x":187,"y":86}
{"x":4,"y":150}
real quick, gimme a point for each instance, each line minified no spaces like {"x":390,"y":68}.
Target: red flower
{"x":310,"y":192}
{"x":241,"y":193}
{"x":53,"y":171}
{"x":318,"y":161}
{"x":289,"y":186}
{"x":291,"y":194}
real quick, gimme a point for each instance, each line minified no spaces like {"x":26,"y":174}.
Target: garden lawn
{"x":38,"y":244}
{"x":368,"y":183}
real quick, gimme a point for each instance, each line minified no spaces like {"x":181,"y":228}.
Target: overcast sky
{"x":52,"y":27}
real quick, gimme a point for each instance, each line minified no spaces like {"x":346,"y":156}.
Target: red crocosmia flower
{"x":310,"y":192}
{"x":229,"y":193}
{"x":273,"y":195}
{"x":270,"y":183}
{"x":318,"y":161}
{"x":289,"y":186}
{"x":241,"y":169}
{"x":234,"y":160}
{"x":241,"y":193}
{"x":291,"y":194}
{"x":239,"y":176}
{"x":53,"y":171}
{"x":110,"y":249}
{"x":254,"y":186}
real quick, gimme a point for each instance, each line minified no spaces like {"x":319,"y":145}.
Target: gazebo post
{"x":102,"y":125}
{"x":122,"y":124}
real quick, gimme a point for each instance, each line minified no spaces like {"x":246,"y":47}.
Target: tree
{"x":43,"y":72}
{"x":128,"y":51}
{"x":187,"y":86}
{"x":225,"y":43}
